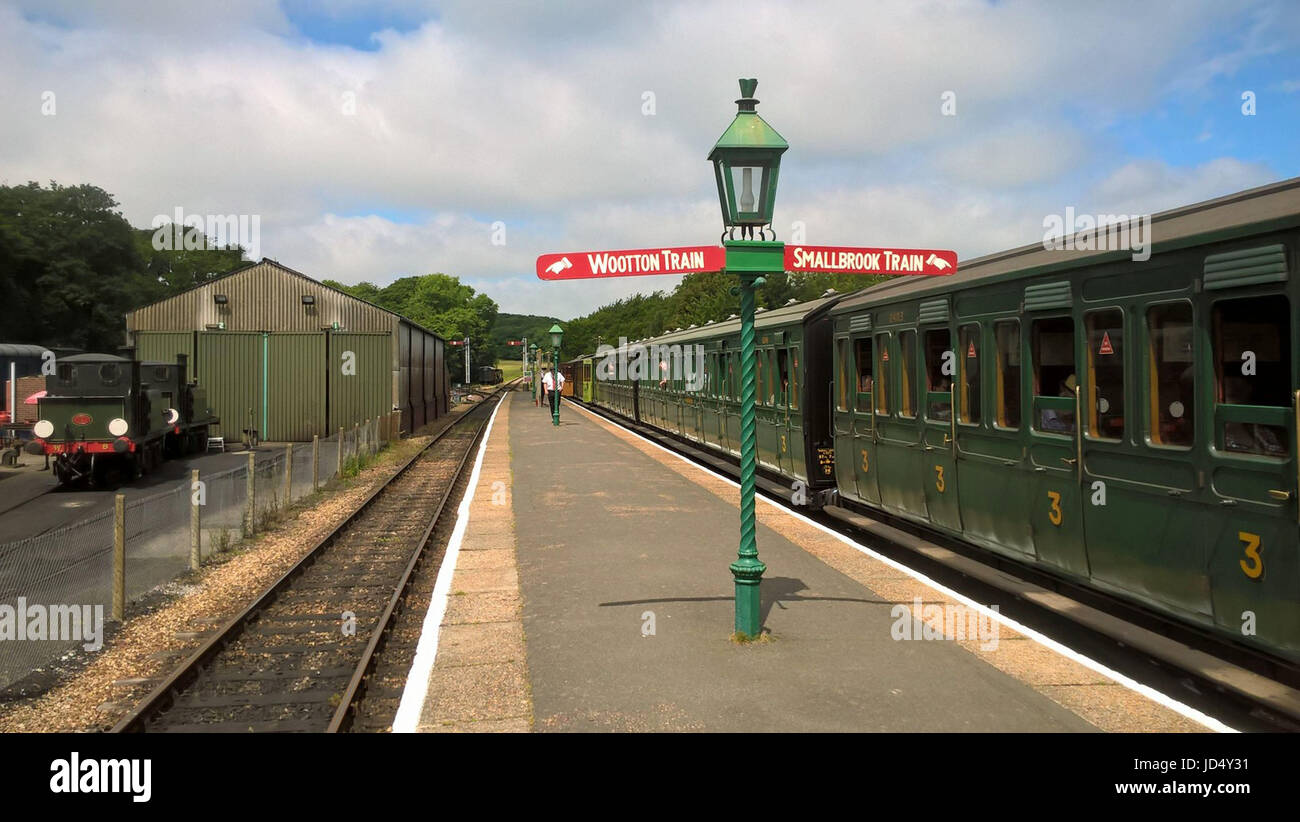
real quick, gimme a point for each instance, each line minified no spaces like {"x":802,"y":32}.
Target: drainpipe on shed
{"x":266,"y":367}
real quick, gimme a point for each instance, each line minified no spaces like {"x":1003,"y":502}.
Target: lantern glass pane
{"x":747,"y":184}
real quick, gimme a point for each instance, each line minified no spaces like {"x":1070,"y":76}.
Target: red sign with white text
{"x":931,"y":262}
{"x":580,"y":265}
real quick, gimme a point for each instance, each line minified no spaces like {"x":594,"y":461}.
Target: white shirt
{"x":548,"y":382}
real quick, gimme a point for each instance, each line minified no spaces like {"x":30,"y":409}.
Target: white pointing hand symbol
{"x":938,"y":262}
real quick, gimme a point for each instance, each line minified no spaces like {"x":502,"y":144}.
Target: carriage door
{"x":846,"y":451}
{"x":1056,"y":509}
{"x":1253,"y":562}
{"x":939,"y":445}
{"x":863,"y":387}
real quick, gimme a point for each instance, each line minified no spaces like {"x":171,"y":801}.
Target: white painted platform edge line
{"x":1169,"y":702}
{"x":426,"y":651}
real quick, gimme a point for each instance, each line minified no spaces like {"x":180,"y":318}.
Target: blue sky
{"x":378,"y":140}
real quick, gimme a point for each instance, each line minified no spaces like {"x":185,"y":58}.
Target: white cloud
{"x":1151,"y":186}
{"x":531,"y":114}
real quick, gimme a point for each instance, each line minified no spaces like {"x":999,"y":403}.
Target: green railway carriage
{"x":1128,"y":421}
{"x":1131,"y":423}
{"x":688,"y":382}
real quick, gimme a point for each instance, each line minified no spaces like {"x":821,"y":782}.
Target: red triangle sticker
{"x":970,"y":352}
{"x":1105,"y":344}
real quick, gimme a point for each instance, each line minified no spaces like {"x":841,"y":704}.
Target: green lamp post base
{"x":748,"y":573}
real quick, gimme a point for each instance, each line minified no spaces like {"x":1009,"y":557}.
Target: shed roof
{"x":188,"y":293}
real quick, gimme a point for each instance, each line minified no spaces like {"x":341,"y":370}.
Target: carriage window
{"x":794,"y":377}
{"x":1106,"y":374}
{"x":1252,"y":367}
{"x":1172,"y":374}
{"x":110,"y":373}
{"x":773,"y":378}
{"x":939,"y":365}
{"x":67,"y":373}
{"x":781,"y":378}
{"x":160,"y":373}
{"x":1008,"y":388}
{"x":866,"y":383}
{"x":907,"y":373}
{"x":968,"y":354}
{"x":760,"y":391}
{"x":1054,"y":375}
{"x":881,"y":383}
{"x":842,"y":392}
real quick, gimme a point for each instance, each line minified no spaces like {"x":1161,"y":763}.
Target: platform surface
{"x":607,"y":536}
{"x":589,"y":591}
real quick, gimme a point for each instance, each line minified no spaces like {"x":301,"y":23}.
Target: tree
{"x":70,"y":267}
{"x":177,"y":269}
{"x":440,"y":303}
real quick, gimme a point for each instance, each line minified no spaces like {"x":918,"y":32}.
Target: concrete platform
{"x":620,"y":585}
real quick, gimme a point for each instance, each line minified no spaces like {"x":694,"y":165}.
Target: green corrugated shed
{"x":359,"y":378}
{"x":259,"y":341}
{"x":163,"y":346}
{"x":230,"y":369}
{"x":295,"y":387}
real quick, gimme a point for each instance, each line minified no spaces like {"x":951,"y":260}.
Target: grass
{"x":510,"y":369}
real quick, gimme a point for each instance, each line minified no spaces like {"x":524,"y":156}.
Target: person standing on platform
{"x":559,"y":388}
{"x":548,"y":388}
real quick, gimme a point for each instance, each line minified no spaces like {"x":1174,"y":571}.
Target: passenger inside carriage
{"x":1057,"y":420}
{"x":1249,"y":437}
{"x":1252,"y":355}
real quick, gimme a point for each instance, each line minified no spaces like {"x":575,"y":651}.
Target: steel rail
{"x":165,"y":693}
{"x":355,"y":690}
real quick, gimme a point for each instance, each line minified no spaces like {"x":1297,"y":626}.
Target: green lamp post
{"x":536,"y":372}
{"x":557,"y":336}
{"x":746,"y":160}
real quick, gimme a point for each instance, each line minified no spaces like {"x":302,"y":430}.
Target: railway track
{"x":301,"y":656}
{"x":1263,"y":690}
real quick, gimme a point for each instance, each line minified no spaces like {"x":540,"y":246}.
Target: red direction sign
{"x":843,"y":260}
{"x":579,"y":265}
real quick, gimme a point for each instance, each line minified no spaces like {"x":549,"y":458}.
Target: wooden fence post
{"x":196,"y":535}
{"x":119,"y":556}
{"x":250,"y":488}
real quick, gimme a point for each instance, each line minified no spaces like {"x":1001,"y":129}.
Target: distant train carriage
{"x":106,"y":418}
{"x":688,"y":382}
{"x":1130,"y":424}
{"x":578,"y":378}
{"x":488,"y":375}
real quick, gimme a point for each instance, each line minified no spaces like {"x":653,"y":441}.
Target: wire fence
{"x":48,"y":579}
